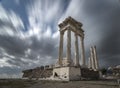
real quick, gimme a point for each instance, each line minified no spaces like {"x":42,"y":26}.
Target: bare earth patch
{"x":19,"y":83}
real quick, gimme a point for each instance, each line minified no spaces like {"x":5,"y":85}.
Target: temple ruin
{"x":93,"y":60}
{"x":70,"y":25}
{"x":68,"y":68}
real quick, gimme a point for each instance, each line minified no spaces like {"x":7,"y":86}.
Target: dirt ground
{"x":19,"y":83}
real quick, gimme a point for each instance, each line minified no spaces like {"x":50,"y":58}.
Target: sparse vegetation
{"x":104,"y":71}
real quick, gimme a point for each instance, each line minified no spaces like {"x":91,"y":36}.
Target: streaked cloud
{"x":29,"y":37}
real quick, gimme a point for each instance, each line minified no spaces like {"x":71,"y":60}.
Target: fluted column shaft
{"x":76,"y":51}
{"x":89,"y":62}
{"x":61,"y":48}
{"x":68,"y":46}
{"x":92,"y":58}
{"x":96,"y":59}
{"x":82,"y":51}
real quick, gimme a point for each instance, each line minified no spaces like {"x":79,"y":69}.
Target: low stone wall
{"x":90,"y":74}
{"x":37,"y":73}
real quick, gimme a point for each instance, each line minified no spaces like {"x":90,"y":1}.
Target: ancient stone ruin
{"x":69,"y":68}
{"x":38,"y":72}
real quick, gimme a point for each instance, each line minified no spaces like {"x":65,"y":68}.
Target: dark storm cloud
{"x":16,"y":47}
{"x":45,"y":46}
{"x":105,"y":15}
{"x":17,"y":62}
{"x":13,"y":45}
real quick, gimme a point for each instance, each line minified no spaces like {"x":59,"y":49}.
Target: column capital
{"x":76,"y":35}
{"x":81,"y":38}
{"x":61,"y":32}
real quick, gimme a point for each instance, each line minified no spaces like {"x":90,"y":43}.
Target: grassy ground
{"x":19,"y":83}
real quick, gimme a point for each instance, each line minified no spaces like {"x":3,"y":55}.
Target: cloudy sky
{"x":29,"y":35}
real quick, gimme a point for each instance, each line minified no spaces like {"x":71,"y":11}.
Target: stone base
{"x":89,"y":73}
{"x":67,"y":73}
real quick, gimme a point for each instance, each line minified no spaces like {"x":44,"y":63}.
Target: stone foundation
{"x":67,"y":73}
{"x":89,"y":73}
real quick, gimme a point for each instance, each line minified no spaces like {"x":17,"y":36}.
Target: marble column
{"x":92,"y":58}
{"x":89,"y":63}
{"x":76,"y":51}
{"x":96,"y":59}
{"x":82,"y":51}
{"x":68,"y":47}
{"x":61,"y":48}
